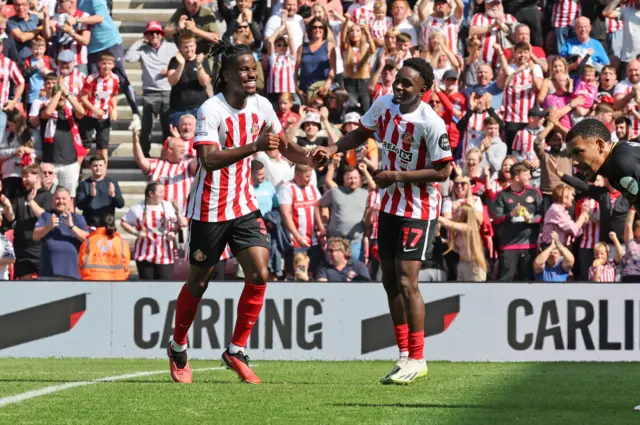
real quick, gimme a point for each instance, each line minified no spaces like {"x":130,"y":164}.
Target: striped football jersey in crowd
{"x":590,"y":230}
{"x":74,"y":81}
{"x":101,"y":90}
{"x":156,"y":221}
{"x":381,"y":90}
{"x":523,"y":142}
{"x":520,"y":95}
{"x":607,"y":272}
{"x":189,"y":150}
{"x":488,"y":40}
{"x":9,"y":71}
{"x":176,"y":179}
{"x":623,"y":88}
{"x":227,"y":194}
{"x":565,"y":13}
{"x":77,"y":48}
{"x":379,"y":28}
{"x":303,"y":204}
{"x":473,"y":136}
{"x":449,"y":26}
{"x":281,"y":70}
{"x":412,"y":141}
{"x":373,"y":201}
{"x":613,"y":24}
{"x":362,"y":14}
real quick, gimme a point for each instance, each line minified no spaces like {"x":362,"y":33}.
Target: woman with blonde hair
{"x":462,"y":195}
{"x":441,"y":58}
{"x":557,"y":66}
{"x":357,"y":48}
{"x":464,"y":238}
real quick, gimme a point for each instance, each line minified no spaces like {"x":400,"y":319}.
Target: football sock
{"x":416,"y":345}
{"x":402,"y":338}
{"x":249,"y":308}
{"x":186,"y":309}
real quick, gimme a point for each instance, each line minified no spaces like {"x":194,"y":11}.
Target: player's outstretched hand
{"x":321,"y":154}
{"x":268,"y":142}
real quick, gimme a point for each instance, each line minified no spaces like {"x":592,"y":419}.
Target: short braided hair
{"x":225,"y":55}
{"x":589,"y":128}
{"x":423,"y":67}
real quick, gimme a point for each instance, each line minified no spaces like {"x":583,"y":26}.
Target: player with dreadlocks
{"x":416,"y":155}
{"x":232,"y":126}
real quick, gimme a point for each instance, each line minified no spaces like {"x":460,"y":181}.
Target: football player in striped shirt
{"x":231,"y":127}
{"x":416,"y":156}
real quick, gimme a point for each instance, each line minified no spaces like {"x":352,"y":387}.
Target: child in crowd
{"x":285,"y":114}
{"x":523,"y":143}
{"x":381,"y":23}
{"x":99,"y":98}
{"x":36,"y":67}
{"x":282,"y":62}
{"x":603,"y":270}
{"x":587,"y":87}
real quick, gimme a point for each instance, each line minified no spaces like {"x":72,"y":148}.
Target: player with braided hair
{"x":231,"y":127}
{"x":416,"y":156}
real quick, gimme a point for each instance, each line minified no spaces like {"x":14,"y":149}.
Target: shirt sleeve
{"x":272,"y":123}
{"x":35,"y":108}
{"x":284,"y":195}
{"x":153,"y":164}
{"x":321,"y":273}
{"x":537,"y":71}
{"x":447,"y":206}
{"x":327,"y":198}
{"x":370,"y":119}
{"x":438,"y":146}
{"x":208,"y":122}
{"x":42,"y":220}
{"x":8,"y":249}
{"x":15,"y":74}
{"x":80,"y":222}
{"x":131,"y":217}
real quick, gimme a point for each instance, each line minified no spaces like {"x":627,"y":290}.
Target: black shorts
{"x":402,"y":238}
{"x":207,"y":241}
{"x":102,"y":129}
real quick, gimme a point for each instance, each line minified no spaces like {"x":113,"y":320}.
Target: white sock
{"x":404,"y":354}
{"x":177,"y":347}
{"x":233,"y":349}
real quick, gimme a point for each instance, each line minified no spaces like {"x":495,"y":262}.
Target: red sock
{"x":416,"y":345}
{"x":249,"y":308}
{"x":402,"y":337}
{"x":186,"y":309}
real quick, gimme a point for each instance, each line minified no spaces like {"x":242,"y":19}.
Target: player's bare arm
{"x":213,"y":159}
{"x":352,"y":140}
{"x":293,"y":152}
{"x":439,"y":173}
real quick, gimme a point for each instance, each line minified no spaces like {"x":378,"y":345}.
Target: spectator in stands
{"x":493,"y":149}
{"x":311,"y":122}
{"x":7,"y":256}
{"x":485,"y":84}
{"x":198,"y":20}
{"x":289,"y":15}
{"x":6,"y":209}
{"x":558,"y":220}
{"x":49,"y":179}
{"x":523,"y":144}
{"x":300,"y":217}
{"x":17,"y":150}
{"x":554,"y":139}
{"x":554,"y":263}
{"x":98,"y":195}
{"x":154,"y":54}
{"x":175,"y":172}
{"x":301,"y":267}
{"x":62,"y":145}
{"x":72,"y":77}
{"x":348,"y":205}
{"x":67,"y":36}
{"x":282,"y":63}
{"x":104,"y":255}
{"x":623,"y":128}
{"x":357,"y":48}
{"x":441,"y":20}
{"x":381,"y":82}
{"x":154,"y":222}
{"x":278,"y":169}
{"x":491,"y":25}
{"x":602,"y":269}
{"x":9,"y":44}
{"x":341,"y":266}
{"x":186,"y":132}
{"x":285,"y":114}
{"x":105,"y":38}
{"x":242,"y":17}
{"x":518,"y":214}
{"x":60,"y":233}
{"x":400,"y":12}
{"x":631,"y":258}
{"x":25,"y":26}
{"x":36,"y":67}
{"x":265,"y":192}
{"x":9,"y":73}
{"x":315,"y":62}
{"x":189,"y":74}
{"x":625,"y":94}
{"x":582,"y":45}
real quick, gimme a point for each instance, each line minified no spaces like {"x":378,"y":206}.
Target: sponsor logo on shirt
{"x":405,"y":156}
{"x":443,"y":142}
{"x":201,"y":127}
{"x":629,"y":184}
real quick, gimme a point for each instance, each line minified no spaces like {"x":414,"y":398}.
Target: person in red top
{"x":232,"y":126}
{"x":381,"y":81}
{"x":522,"y":33}
{"x":442,"y":106}
{"x":416,"y":157}
{"x":286,"y":116}
{"x":99,"y":99}
{"x":458,"y":100}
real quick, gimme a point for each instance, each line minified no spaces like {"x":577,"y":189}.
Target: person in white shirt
{"x":289,"y":15}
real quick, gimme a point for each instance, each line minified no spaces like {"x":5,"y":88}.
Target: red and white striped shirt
{"x":228,"y":194}
{"x":303,"y":205}
{"x":381,"y":90}
{"x":613,"y":24}
{"x":74,"y":81}
{"x":176,"y":179}
{"x":449,"y":26}
{"x":590,"y":230}
{"x":189,"y":150}
{"x":9,"y":71}
{"x":412,"y":141}
{"x":565,"y":13}
{"x":362,"y":14}
{"x":496,"y":187}
{"x":520,"y":94}
{"x":101,"y":90}
{"x":74,"y":46}
{"x":373,"y":201}
{"x":474,"y":135}
{"x":607,"y":272}
{"x":623,"y":88}
{"x":379,"y":28}
{"x":489,"y":39}
{"x":156,"y":221}
{"x":282,"y":68}
{"x":523,"y":142}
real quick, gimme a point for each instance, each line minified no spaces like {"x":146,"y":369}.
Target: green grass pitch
{"x":322,"y":393}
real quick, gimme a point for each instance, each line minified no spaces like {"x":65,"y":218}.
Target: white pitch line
{"x":19,"y":398}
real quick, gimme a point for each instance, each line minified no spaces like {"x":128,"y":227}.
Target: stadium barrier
{"x":325,"y":321}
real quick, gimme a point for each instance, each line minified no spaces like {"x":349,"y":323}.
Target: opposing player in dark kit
{"x":232,"y":126}
{"x":416,"y":155}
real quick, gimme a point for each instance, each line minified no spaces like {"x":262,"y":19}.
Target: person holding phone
{"x":61,"y":233}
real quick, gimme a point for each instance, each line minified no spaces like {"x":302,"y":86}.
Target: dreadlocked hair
{"x":225,"y":55}
{"x":423,"y":67}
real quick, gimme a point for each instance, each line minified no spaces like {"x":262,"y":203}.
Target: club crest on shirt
{"x":529,"y":199}
{"x":255,"y":129}
{"x":407,"y":137}
{"x":201,"y":127}
{"x":199,"y":255}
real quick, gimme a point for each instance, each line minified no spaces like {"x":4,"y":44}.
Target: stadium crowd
{"x":512,"y":77}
